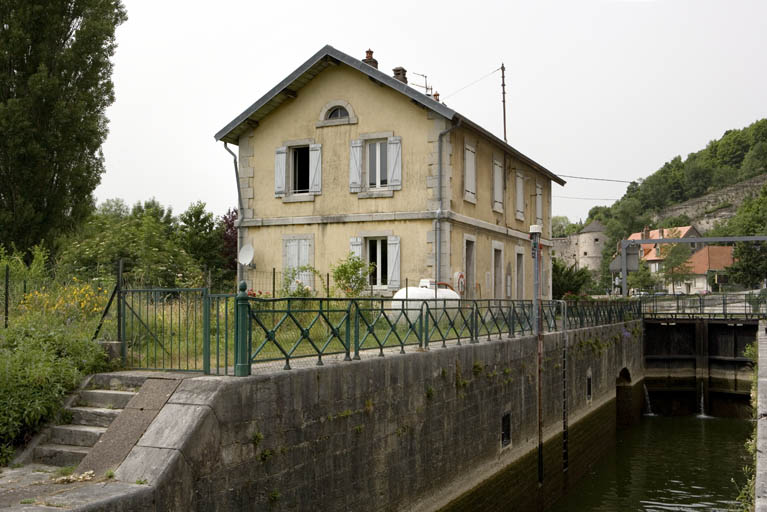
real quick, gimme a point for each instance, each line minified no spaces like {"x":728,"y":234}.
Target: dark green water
{"x":665,"y":463}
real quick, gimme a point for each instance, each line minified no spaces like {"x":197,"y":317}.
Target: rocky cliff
{"x":705,"y":211}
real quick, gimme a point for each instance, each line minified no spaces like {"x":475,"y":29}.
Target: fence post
{"x":120,"y":311}
{"x":425,"y":331}
{"x":206,"y":332}
{"x":274,"y":283}
{"x":356,"y":330}
{"x":241,"y":356}
{"x":7,"y":281}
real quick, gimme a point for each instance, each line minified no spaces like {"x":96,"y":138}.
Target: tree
{"x":151,"y":257}
{"x":750,"y":266}
{"x":566,"y":279}
{"x":676,"y":267}
{"x":200,"y":236}
{"x":642,"y":279}
{"x":229,"y":246}
{"x":55,"y":86}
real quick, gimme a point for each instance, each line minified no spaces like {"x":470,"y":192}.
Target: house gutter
{"x":438,"y":216}
{"x":240,"y":212}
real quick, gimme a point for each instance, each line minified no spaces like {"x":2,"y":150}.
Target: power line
{"x":469,"y":85}
{"x":586,"y":198}
{"x":593,"y":179}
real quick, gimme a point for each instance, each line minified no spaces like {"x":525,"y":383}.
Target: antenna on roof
{"x":503,"y":98}
{"x":427,"y":89}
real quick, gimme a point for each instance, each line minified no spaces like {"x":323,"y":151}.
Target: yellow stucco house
{"x":340,"y":157}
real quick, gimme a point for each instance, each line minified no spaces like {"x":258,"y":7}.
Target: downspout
{"x":240,"y":212}
{"x":438,"y":216}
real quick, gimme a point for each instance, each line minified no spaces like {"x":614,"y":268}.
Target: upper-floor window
{"x":497,"y":186}
{"x":375,"y":165}
{"x":539,"y":205}
{"x":377,"y":168}
{"x":470,"y":173}
{"x":298,"y":170}
{"x":337,"y":113}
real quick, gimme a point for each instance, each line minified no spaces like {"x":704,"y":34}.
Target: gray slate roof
{"x":593,"y":227}
{"x":329,"y":56}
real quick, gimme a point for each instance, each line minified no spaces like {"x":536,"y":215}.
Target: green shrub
{"x":40,"y":362}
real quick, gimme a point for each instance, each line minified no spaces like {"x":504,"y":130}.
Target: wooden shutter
{"x":538,"y":204}
{"x":392,"y":263}
{"x":280,"y":162}
{"x":315,"y":168}
{"x":355,"y":246}
{"x":497,"y":186}
{"x":394,"y":163}
{"x":520,"y":202}
{"x":470,"y":174}
{"x":355,"y":166}
{"x":304,"y":248}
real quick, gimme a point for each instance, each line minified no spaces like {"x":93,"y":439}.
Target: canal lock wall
{"x":695,"y":366}
{"x":419,"y":431}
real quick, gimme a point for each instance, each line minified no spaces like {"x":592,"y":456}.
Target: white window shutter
{"x":470,"y":174}
{"x":392,"y":263}
{"x":394,"y":162}
{"x":315,"y":168}
{"x":355,"y":246}
{"x":355,"y":166}
{"x":304,"y":247}
{"x":520,"y":202}
{"x":280,"y":162}
{"x":497,"y":186}
{"x":291,"y":254}
{"x":538,"y":204}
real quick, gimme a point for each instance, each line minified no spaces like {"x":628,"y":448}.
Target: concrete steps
{"x":94,"y":410}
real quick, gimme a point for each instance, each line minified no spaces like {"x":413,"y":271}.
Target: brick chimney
{"x":646,"y":232}
{"x":369,"y":60}
{"x":660,"y":233}
{"x":436,"y":96}
{"x":400,"y":74}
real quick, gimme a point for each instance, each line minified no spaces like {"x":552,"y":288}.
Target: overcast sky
{"x":597,"y":88}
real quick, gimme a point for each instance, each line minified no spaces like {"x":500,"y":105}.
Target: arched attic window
{"x":336,"y":112}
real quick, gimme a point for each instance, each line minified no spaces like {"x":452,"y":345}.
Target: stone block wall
{"x":415,"y":431}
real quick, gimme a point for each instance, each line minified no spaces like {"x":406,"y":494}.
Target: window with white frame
{"x":497,"y":186}
{"x":383,"y":253}
{"x":376,"y":152}
{"x":298,"y":169}
{"x":375,"y":164}
{"x":519,"y":203}
{"x":470,"y":173}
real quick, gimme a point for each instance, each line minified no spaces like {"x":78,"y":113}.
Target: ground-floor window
{"x":377,"y":256}
{"x":383,"y":252}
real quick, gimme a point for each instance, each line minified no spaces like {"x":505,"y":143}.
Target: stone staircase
{"x":102,"y":400}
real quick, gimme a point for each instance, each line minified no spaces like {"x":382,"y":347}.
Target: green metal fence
{"x":740,"y":305}
{"x":224,"y":334}
{"x":291,"y":328}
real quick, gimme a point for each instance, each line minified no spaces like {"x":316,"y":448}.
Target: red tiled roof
{"x":648,"y":250}
{"x":711,"y":257}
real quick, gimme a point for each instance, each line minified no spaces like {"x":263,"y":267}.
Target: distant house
{"x":652,"y":253}
{"x":702,"y":262}
{"x":583,"y":249}
{"x":340,"y":157}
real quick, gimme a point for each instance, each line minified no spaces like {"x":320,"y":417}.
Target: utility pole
{"x":503,"y":98}
{"x":535,"y":237}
